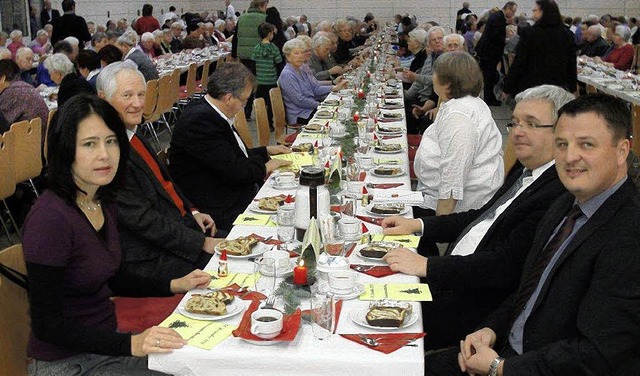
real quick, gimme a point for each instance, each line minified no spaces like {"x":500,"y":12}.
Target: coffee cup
{"x":280,"y":258}
{"x":392,"y":82}
{"x":285,"y":179}
{"x":266,"y":323}
{"x":342,"y":281}
{"x":350,"y":228}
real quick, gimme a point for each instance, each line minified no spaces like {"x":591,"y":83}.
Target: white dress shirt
{"x":230,"y":121}
{"x":460,"y":155}
{"x":469,"y":242}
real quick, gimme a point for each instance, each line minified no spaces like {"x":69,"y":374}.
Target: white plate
{"x":331,"y":102}
{"x":273,"y":185}
{"x":393,"y":131}
{"x":360,"y":317}
{"x":282,"y":272}
{"x":374,"y":259}
{"x":402,"y":172}
{"x":233,"y":309}
{"x":322,"y":115}
{"x":321,"y":130}
{"x":388,"y":151}
{"x":370,"y":206}
{"x":264,"y":342}
{"x":358,"y":289}
{"x":257,"y":250}
{"x":253,"y":206}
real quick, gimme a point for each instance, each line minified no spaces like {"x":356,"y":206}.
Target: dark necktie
{"x":491,"y":212}
{"x":530,"y":282}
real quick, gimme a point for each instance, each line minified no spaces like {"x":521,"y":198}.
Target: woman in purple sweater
{"x":73,"y":256}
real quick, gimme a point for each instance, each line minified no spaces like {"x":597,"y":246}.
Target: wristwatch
{"x":493,"y":368}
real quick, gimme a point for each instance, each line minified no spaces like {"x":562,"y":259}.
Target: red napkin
{"x":234,"y":289}
{"x":375,"y":221}
{"x":290,"y":139}
{"x":350,"y":251}
{"x":388,"y":342}
{"x":290,"y":325}
{"x":362,"y":176}
{"x":337,"y":317}
{"x":376,"y":271}
{"x":261,"y":238}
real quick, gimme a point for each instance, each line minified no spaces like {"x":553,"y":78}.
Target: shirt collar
{"x":537,"y":172}
{"x":592,"y":205}
{"x":131,"y":133}
{"x":230,"y":121}
{"x":129,"y":53}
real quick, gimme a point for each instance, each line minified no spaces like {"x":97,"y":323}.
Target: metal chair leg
{"x":13,"y":221}
{"x":33,"y":188}
{"x":6,"y":231}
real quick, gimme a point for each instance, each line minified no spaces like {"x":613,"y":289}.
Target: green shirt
{"x":266,"y":56}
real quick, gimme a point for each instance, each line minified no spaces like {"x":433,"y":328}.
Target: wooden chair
{"x":591,"y":89}
{"x":149,"y":114}
{"x":262,"y":121}
{"x":509,"y":156}
{"x":14,"y":315}
{"x":52,"y":113}
{"x":27,"y":151}
{"x":7,"y":182}
{"x":187,"y":91}
{"x":636,"y":59}
{"x":243,"y":130}
{"x":635,"y":121}
{"x":279,"y":114}
{"x":204,"y":79}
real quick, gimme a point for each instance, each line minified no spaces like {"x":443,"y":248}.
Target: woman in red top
{"x":621,"y":56}
{"x":146,"y":23}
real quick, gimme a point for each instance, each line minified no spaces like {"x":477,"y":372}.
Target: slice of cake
{"x":387,"y":209}
{"x":387,"y":317}
{"x":205,"y":305}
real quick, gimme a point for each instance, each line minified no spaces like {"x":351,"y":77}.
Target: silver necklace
{"x":87,"y":206}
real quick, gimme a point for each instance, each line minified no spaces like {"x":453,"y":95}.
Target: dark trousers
{"x":263,"y":92}
{"x":490,"y":77}
{"x":249,"y":106}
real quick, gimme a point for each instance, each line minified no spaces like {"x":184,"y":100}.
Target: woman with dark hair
{"x":72,"y":253}
{"x":147,"y":23}
{"x":63,"y":73}
{"x":88,"y":63}
{"x":279,"y":39}
{"x":109,"y":54}
{"x":546,"y":53}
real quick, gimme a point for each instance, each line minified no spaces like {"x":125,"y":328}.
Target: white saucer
{"x":233,"y":308}
{"x":264,"y":342}
{"x":357,"y":290}
{"x":360,"y":318}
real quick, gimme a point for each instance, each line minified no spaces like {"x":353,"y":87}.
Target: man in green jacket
{"x":247,"y":37}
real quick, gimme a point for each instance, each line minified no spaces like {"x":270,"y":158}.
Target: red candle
{"x":356,"y":116}
{"x":361,"y":94}
{"x":300,"y":274}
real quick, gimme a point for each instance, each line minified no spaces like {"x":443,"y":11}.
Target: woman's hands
{"x":197,"y":279}
{"x":278,"y":149}
{"x":156,"y":340}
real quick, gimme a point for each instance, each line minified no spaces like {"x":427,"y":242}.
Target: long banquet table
{"x":305,"y":355}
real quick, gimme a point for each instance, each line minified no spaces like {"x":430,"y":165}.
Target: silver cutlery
{"x":362,"y":268}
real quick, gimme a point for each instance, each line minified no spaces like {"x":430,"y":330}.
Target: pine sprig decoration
{"x":292,"y":296}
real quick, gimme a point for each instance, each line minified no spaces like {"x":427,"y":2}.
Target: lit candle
{"x":361,"y":94}
{"x":300,"y":274}
{"x":356,"y":116}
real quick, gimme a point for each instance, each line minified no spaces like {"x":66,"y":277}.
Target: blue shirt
{"x":588,"y":209}
{"x":301,"y":92}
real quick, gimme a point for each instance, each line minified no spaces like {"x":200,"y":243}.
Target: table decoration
{"x":203,"y":334}
{"x":377,"y":271}
{"x":416,"y":292}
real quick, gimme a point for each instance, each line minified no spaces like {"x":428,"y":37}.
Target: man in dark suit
{"x":47,"y":15}
{"x":491,"y":47}
{"x":594,"y":44}
{"x":161,"y":232}
{"x":489,"y":245}
{"x":209,"y":160}
{"x":126,"y":44}
{"x":576,"y":311}
{"x":69,"y":25}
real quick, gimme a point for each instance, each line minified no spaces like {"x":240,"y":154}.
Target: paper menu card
{"x":414,"y":292}
{"x":202,"y":334}
{"x":241,"y":279}
{"x":407,"y":241}
{"x":297,"y":159}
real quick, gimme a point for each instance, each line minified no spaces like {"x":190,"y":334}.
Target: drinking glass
{"x":366,"y":162}
{"x":353,"y":171}
{"x":332,"y":237}
{"x":322,"y":307}
{"x":349,"y":203}
{"x":285,"y":219}
{"x":266,"y":272}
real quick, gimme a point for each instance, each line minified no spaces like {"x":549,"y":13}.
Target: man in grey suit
{"x":161,"y":232}
{"x":126,"y":43}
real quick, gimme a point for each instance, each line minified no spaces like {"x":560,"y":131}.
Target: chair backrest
{"x":262,"y":121}
{"x":243,"y":130}
{"x":636,"y":59}
{"x":27,"y":151}
{"x":509,"y":156}
{"x":277,"y":107}
{"x":191,"y":79}
{"x":52,"y":113}
{"x":591,"y":89}
{"x":150,"y":99}
{"x":175,"y":88}
{"x":14,"y":316}
{"x":635,"y":123}
{"x":7,"y":182}
{"x":204,"y":79}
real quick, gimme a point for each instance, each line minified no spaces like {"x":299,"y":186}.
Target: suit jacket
{"x":145,"y":65}
{"x":585,"y":319}
{"x":491,"y":45}
{"x":44,"y":16}
{"x":155,"y":238}
{"x":207,"y":162}
{"x":470,"y":287}
{"x":545,"y":55}
{"x":70,"y":25}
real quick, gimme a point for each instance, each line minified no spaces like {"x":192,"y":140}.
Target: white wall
{"x":441,"y":11}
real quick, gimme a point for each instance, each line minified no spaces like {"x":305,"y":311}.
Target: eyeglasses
{"x":527,"y":126}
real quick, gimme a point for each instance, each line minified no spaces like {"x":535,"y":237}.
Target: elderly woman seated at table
{"x":147,"y":44}
{"x":19,"y":100}
{"x":24,"y":59}
{"x":417,"y":45}
{"x":209,"y":160}
{"x":459,"y":162}
{"x":72,"y":254}
{"x":63,"y":73}
{"x":301,"y":91}
{"x":453,"y":42}
{"x":621,"y":56}
{"x":347,"y":47}
{"x":16,"y":42}
{"x":322,"y":64}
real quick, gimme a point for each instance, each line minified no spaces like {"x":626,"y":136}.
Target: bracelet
{"x":493,"y":368}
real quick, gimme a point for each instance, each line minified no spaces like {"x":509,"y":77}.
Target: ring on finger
{"x":158,"y":343}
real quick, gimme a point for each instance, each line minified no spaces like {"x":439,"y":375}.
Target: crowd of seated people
{"x":533,"y":251}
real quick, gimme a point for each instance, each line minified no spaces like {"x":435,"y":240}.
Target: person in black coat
{"x":70,"y":25}
{"x":546,"y":53}
{"x":47,"y":15}
{"x":209,"y":160}
{"x":490,"y":48}
{"x":488,"y":246}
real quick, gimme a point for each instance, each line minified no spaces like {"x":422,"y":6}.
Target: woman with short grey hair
{"x":621,"y":56}
{"x":63,"y":73}
{"x":321,"y":62}
{"x":147,"y":42}
{"x":16,"y":42}
{"x":301,"y":91}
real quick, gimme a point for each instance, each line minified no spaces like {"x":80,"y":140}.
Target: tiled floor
{"x":502,"y":116}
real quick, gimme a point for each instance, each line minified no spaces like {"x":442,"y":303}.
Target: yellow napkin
{"x":253,"y":220}
{"x":415,"y":292}
{"x":387,"y":161}
{"x":407,"y":241}
{"x":311,"y":135}
{"x":297,"y":159}
{"x":242,"y":279}
{"x":202,"y":334}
